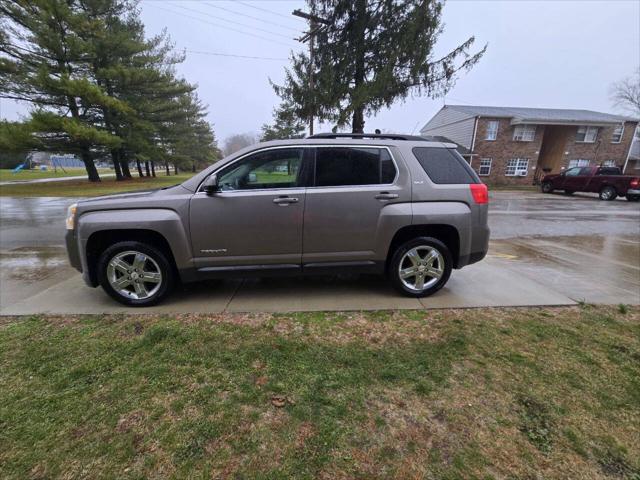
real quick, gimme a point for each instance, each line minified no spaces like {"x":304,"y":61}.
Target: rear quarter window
{"x":609,"y":171}
{"x":444,"y":166}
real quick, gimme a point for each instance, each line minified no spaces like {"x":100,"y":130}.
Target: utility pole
{"x":314,"y":20}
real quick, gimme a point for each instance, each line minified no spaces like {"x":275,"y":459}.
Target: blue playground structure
{"x":18,"y":168}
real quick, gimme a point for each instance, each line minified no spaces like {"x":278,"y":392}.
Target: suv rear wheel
{"x":134,"y":273}
{"x":608,"y":193}
{"x":420,"y":267}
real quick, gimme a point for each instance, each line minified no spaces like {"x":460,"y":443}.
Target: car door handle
{"x":386,"y":196}
{"x":285,"y":200}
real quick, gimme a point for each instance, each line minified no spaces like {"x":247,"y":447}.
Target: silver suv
{"x":390,"y":204}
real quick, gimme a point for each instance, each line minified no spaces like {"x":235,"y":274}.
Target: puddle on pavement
{"x":601,"y":268}
{"x":32,"y":264}
{"x":623,"y":250}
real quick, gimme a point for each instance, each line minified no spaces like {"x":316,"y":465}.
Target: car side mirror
{"x":210,"y":185}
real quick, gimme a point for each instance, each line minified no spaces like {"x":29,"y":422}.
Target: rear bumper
{"x":633,"y":192}
{"x":479,"y":247}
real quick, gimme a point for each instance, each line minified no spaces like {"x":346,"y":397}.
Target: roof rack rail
{"x":382,"y":136}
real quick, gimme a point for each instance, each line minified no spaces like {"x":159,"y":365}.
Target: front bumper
{"x":71,"y":241}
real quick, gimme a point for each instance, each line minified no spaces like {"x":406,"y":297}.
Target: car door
{"x":350,"y":187}
{"x":255,"y":219}
{"x":572,"y":180}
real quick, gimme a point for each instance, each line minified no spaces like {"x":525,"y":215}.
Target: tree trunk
{"x":124,"y":163}
{"x":153,"y":168}
{"x":116,"y":165}
{"x":92,"y":171}
{"x":360,"y":27}
{"x":175,"y":168}
{"x":166,"y":166}
{"x":357,"y":124}
{"x":193,"y":167}
{"x":146,"y":168}
{"x":139,"y":168}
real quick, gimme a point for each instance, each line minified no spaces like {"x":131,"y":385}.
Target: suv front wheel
{"x":135,"y":274}
{"x":420,"y":267}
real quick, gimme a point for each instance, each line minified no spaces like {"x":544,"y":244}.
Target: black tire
{"x":608,"y":193}
{"x":633,"y":198}
{"x":161,"y":261}
{"x":569,"y":192}
{"x":546,"y":187}
{"x":398,"y":257}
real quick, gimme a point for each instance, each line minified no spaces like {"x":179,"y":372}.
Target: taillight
{"x":635,"y":182}
{"x":480,"y":193}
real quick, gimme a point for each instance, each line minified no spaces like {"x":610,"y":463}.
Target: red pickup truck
{"x":608,"y":182}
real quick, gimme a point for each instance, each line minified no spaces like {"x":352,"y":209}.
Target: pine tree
{"x":286,"y":124}
{"x":372,"y":53}
{"x":47,"y":56}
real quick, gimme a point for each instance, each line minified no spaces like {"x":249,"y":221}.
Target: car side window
{"x":278,"y":168}
{"x":585,"y":172}
{"x":343,"y":166}
{"x":444,"y":166}
{"x":609,"y":171}
{"x":573,"y":172}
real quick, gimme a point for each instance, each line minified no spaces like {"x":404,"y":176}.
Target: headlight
{"x":71,"y":216}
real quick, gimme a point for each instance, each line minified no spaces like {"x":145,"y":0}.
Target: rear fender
{"x":456,"y":214}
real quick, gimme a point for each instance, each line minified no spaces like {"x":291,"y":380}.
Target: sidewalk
{"x":59,"y":179}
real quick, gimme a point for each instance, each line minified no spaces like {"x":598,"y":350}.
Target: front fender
{"x":163,"y":221}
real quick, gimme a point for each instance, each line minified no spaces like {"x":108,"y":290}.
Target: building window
{"x":579,"y":162}
{"x":617,"y":134}
{"x":609,"y":163}
{"x":485,"y":167}
{"x":517,"y":167}
{"x":524,"y":133}
{"x":587,"y":134}
{"x":492,"y":130}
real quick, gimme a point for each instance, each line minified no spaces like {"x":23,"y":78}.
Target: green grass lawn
{"x":84,"y":188}
{"x":7,"y":175}
{"x":485,"y":393}
{"x":519,"y":188}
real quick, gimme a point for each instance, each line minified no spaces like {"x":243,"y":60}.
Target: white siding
{"x":456,"y":126}
{"x":635,"y":149}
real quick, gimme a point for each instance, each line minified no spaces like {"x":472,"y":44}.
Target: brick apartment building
{"x":510,"y":145}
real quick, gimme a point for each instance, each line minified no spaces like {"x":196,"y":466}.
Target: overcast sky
{"x":558,"y":54}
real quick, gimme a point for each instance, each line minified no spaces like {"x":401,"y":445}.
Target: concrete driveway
{"x":545,"y":250}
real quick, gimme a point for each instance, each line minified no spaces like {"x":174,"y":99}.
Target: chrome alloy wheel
{"x":134,"y":275}
{"x":421,"y":268}
{"x":607,"y":193}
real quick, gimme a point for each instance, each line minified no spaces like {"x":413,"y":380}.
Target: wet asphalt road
{"x":545,"y":249}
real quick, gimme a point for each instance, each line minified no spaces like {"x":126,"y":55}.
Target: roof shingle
{"x":547,"y":115}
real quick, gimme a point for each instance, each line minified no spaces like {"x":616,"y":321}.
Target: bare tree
{"x":625,"y":94}
{"x":237,"y":142}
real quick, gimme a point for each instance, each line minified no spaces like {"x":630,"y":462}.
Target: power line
{"x":263,"y":9}
{"x":233,"y":55}
{"x":222,"y":26}
{"x":251,"y":16}
{"x":231,"y":21}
